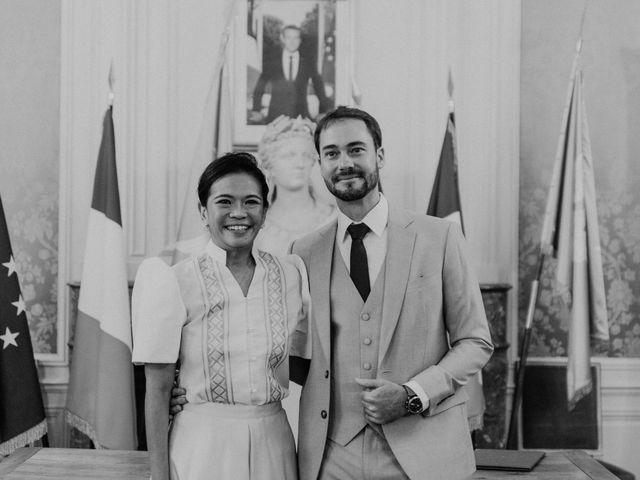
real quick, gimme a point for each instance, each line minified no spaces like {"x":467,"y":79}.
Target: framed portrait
{"x":290,"y":57}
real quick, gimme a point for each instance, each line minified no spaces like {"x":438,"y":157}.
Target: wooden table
{"x":570,"y":465}
{"x":74,"y":463}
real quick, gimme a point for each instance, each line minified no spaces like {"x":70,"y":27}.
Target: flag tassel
{"x":24,"y":438}
{"x":84,"y":427}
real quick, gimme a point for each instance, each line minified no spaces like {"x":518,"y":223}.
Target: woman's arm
{"x":159,"y":379}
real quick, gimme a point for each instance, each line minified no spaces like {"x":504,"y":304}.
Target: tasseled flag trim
{"x":31,"y":435}
{"x":84,"y":426}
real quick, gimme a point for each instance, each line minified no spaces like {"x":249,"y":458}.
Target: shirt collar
{"x":376,"y":219}
{"x":286,"y":54}
{"x":220,"y":255}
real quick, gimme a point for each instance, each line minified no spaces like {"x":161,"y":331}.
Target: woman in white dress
{"x":300,"y":203}
{"x":229,"y":317}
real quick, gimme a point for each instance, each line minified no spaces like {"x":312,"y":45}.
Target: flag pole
{"x":111,"y":80}
{"x":512,"y":436}
{"x":512,"y":431}
{"x":452,"y":116}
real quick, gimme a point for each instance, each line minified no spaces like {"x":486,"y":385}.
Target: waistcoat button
{"x":366,"y":366}
{"x":365,"y":317}
{"x":367,"y":341}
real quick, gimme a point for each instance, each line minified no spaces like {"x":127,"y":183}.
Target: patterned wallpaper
{"x":611,"y":65}
{"x":33,"y":227}
{"x":619,"y":221}
{"x":30,"y":137}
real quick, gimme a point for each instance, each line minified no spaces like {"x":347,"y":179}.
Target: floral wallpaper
{"x":610,"y":62}
{"x":619,"y":221}
{"x":33,"y":228}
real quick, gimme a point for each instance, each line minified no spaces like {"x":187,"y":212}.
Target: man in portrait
{"x":287,"y":75}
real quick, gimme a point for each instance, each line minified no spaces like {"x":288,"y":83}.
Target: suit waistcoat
{"x":355,"y":342}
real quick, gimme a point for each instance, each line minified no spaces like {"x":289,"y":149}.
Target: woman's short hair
{"x":229,"y":163}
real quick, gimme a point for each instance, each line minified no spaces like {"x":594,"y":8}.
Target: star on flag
{"x":19,"y":304}
{"x":9,"y":338}
{"x":11,"y":266}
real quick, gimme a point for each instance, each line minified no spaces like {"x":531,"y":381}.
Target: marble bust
{"x":299,"y":202}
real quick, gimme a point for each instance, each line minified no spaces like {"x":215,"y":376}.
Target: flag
{"x":22,"y":418}
{"x":570,"y":233}
{"x":445,"y":203}
{"x":445,"y":195}
{"x":100,"y":401}
{"x":214,"y":140}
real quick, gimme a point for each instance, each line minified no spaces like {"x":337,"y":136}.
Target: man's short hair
{"x":346,"y":113}
{"x":290,"y":27}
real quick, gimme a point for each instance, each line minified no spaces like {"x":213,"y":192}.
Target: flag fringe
{"x":476,"y":422}
{"x":83,"y":426}
{"x":28,"y":436}
{"x":579,"y":395}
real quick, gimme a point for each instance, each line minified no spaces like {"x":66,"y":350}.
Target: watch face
{"x":414,"y":405}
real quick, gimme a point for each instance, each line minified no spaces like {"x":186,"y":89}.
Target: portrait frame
{"x":326,"y":42}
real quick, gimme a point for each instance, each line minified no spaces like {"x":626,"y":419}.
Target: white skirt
{"x":215,"y":441}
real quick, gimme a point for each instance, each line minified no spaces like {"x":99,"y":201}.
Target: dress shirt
{"x":375,"y":244}
{"x":285,"y":63}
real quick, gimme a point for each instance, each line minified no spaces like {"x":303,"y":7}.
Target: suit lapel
{"x":319,"y":278}
{"x":400,"y":244}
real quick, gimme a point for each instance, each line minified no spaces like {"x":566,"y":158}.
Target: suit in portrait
{"x":423,"y":321}
{"x":289,"y":97}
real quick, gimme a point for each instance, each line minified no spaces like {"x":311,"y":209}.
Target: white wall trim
{"x":64,"y":209}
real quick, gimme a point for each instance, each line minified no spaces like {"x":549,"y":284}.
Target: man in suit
{"x":398,"y":327}
{"x":288,"y":76}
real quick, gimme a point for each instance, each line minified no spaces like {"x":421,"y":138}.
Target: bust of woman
{"x":299,"y":202}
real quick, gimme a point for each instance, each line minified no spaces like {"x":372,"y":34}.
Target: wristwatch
{"x":412,"y":404}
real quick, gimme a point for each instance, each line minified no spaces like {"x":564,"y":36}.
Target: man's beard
{"x":353,"y":190}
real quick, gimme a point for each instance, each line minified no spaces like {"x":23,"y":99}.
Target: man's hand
{"x":178,"y":399}
{"x":382,"y":400}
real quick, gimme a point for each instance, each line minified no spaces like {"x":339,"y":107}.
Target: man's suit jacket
{"x":434,"y":330}
{"x":289,"y":98}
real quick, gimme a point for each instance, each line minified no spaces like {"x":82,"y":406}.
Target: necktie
{"x":359,"y":266}
{"x":290,"y":68}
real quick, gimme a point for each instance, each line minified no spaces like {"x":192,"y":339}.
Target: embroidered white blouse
{"x":230,"y":348}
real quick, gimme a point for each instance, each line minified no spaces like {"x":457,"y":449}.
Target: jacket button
{"x":326,"y":374}
{"x":323,"y":414}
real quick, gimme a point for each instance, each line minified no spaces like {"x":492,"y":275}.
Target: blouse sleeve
{"x":158,"y":313}
{"x":300,"y":345}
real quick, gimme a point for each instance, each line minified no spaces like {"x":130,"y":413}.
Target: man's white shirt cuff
{"x":415,"y":386}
